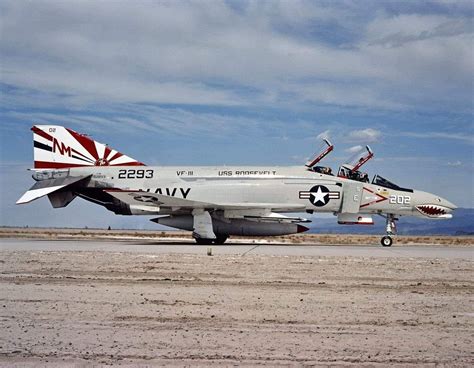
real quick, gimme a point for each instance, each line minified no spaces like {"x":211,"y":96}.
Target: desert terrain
{"x":110,"y":307}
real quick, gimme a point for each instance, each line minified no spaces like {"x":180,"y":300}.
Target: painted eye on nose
{"x":438,"y":199}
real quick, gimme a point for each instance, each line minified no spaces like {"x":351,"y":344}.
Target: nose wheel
{"x":386,"y":241}
{"x":391,"y":228}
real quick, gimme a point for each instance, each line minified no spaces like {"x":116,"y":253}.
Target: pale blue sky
{"x":237,"y":82}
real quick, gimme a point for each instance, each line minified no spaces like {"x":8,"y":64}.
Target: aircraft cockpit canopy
{"x":379,"y":180}
{"x":325,"y":149}
{"x":322,"y":170}
{"x":351,"y":171}
{"x":345,"y":171}
{"x":359,"y":158}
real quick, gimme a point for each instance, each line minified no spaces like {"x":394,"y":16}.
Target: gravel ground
{"x":118,"y":308}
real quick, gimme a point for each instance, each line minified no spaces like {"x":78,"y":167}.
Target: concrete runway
{"x":166,"y":303}
{"x":143,"y":246}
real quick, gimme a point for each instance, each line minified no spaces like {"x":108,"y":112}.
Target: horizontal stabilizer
{"x":44,"y":187}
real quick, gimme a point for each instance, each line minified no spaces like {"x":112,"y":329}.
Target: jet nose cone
{"x":433,"y":206}
{"x":445,"y":203}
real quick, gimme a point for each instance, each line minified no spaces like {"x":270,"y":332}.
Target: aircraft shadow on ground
{"x":201,"y":245}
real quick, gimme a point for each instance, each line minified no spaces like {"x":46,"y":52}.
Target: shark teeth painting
{"x":432,"y":210}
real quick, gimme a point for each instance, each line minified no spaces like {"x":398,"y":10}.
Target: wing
{"x":175,"y":204}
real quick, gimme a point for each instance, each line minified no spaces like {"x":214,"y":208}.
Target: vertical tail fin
{"x":56,"y":147}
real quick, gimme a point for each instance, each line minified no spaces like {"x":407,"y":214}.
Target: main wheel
{"x":202,"y":241}
{"x":220,"y":239}
{"x":386,"y":241}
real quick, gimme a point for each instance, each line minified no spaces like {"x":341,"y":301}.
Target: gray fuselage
{"x":290,"y":187}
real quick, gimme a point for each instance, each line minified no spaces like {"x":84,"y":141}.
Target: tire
{"x":220,"y":239}
{"x":202,"y":241}
{"x":386,"y":241}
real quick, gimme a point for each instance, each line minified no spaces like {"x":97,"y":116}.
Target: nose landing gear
{"x":386,"y":241}
{"x":391,"y":227}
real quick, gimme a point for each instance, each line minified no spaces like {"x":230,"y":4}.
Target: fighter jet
{"x":217,"y":202}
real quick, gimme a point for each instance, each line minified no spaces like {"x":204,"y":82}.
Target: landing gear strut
{"x":391,"y":227}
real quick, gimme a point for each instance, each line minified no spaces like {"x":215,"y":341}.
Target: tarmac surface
{"x":188,"y":247}
{"x":167,"y":303}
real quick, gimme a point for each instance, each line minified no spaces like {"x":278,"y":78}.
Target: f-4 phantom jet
{"x":216,"y":202}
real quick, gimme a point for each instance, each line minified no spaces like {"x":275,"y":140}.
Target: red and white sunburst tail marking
{"x":57,"y":147}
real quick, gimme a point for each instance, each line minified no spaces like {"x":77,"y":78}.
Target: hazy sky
{"x":240,"y":82}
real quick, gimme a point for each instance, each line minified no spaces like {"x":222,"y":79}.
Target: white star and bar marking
{"x":319,"y":195}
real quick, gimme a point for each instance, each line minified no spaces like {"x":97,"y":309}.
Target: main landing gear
{"x":219,"y":240}
{"x":391,"y":227}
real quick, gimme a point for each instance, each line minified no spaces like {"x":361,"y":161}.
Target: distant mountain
{"x":462,"y":223}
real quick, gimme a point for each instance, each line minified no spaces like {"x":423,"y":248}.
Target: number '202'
{"x":399,"y":199}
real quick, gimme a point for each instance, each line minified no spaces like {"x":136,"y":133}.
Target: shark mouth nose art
{"x":432,"y":210}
